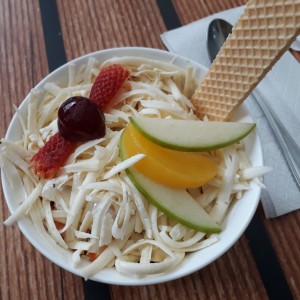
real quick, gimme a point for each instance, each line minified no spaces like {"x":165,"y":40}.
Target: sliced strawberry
{"x":93,"y":256}
{"x":107,"y":84}
{"x":59,"y":225}
{"x":56,"y":151}
{"x":52,"y":156}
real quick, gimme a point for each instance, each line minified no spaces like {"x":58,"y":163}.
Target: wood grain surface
{"x":88,"y":26}
{"x":96,"y":25}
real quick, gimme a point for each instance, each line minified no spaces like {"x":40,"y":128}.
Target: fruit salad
{"x":111,"y":192}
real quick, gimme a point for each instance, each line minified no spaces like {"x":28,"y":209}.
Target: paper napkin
{"x":296,"y":45}
{"x":281,"y":88}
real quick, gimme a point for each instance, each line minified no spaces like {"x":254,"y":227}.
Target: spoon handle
{"x":261,"y":36}
{"x":290,"y":149}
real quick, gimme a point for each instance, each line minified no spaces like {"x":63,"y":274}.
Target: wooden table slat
{"x":88,"y":26}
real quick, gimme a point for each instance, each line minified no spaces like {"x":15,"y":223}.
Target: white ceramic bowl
{"x":236,"y":221}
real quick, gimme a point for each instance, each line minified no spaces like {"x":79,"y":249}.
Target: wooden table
{"x":37,"y":37}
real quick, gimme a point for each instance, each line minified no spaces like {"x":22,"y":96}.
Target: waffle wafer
{"x":261,"y":36}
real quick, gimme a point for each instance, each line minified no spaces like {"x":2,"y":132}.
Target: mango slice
{"x":172,"y":168}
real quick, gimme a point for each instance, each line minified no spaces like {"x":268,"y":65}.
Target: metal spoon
{"x":218,"y":31}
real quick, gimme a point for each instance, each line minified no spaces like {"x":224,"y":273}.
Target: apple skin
{"x":175,"y":203}
{"x":176,"y":169}
{"x":191,"y":135}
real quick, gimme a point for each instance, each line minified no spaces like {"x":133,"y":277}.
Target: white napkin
{"x":280,"y":87}
{"x":296,"y":45}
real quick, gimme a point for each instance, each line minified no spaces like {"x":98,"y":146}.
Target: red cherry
{"x":80,"y":120}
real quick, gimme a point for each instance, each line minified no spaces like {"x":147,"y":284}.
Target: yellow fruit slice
{"x":191,"y":135}
{"x":169,"y":167}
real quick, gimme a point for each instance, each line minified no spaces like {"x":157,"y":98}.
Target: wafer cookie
{"x":263,"y":33}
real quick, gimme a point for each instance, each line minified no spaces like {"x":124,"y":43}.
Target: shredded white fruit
{"x":92,"y":208}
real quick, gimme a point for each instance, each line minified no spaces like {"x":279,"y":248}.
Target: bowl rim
{"x":108,"y":275}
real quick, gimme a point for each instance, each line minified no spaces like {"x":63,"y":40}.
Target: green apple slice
{"x":191,"y":135}
{"x":175,"y":203}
